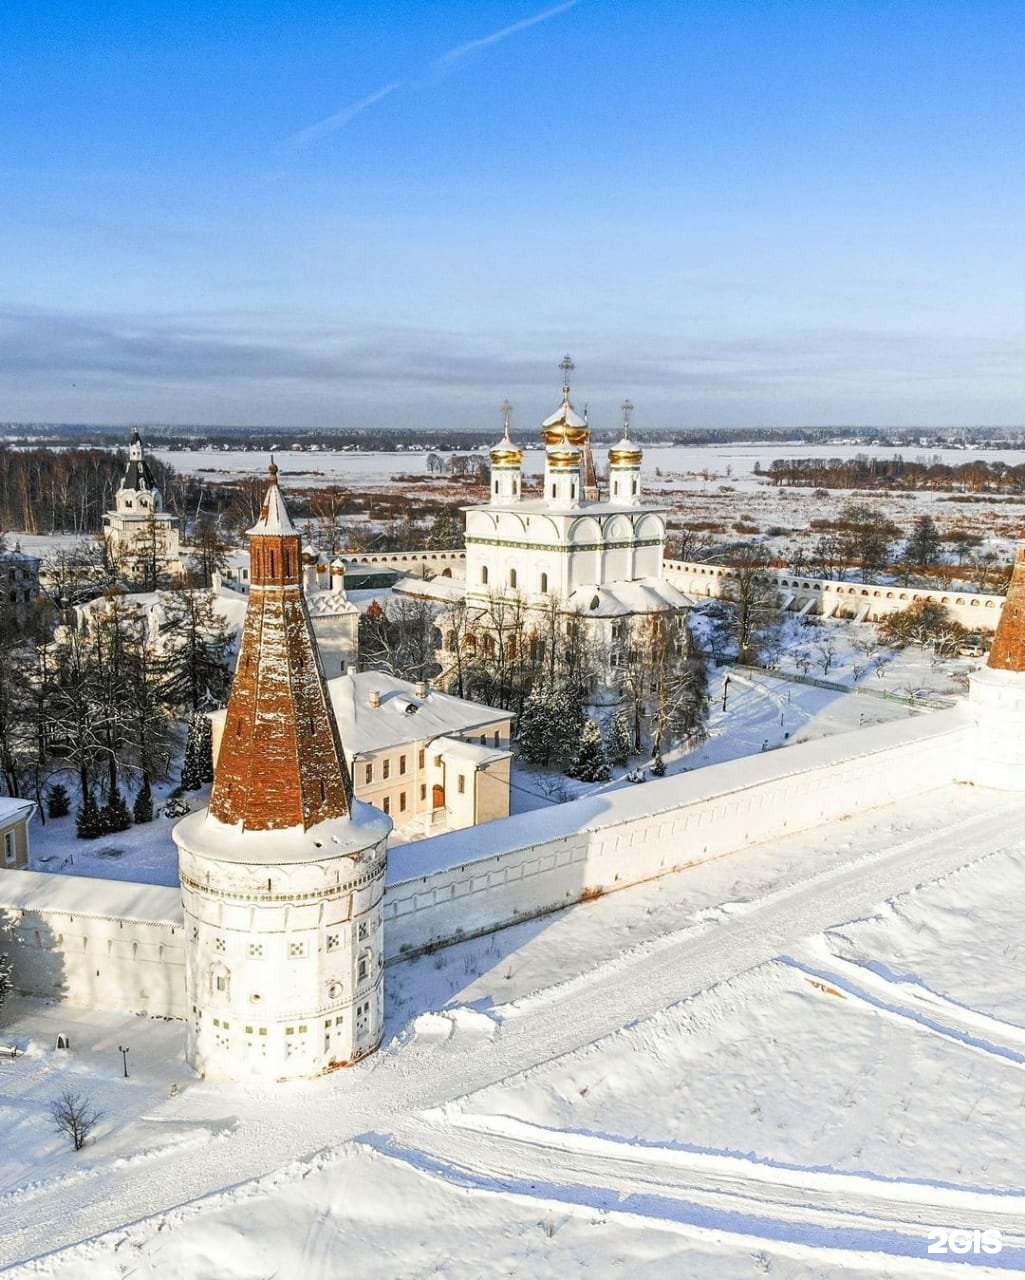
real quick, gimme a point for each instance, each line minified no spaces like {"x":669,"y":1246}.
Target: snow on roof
{"x":431,"y":588}
{"x":565,"y":414}
{"x":597,"y":811}
{"x":274,"y":517}
{"x":12,"y":810}
{"x":402,"y":715}
{"x":87,"y":896}
{"x":327,"y":604}
{"x":201,"y":833}
{"x":616,"y":599}
{"x":472,"y":752}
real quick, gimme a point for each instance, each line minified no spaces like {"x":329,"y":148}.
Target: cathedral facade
{"x":592,"y":552}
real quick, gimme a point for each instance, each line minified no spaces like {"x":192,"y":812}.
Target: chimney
{"x":423,"y":688}
{"x":375,"y":697}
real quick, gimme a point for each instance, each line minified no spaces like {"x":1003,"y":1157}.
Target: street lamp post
{"x":123,"y":1051}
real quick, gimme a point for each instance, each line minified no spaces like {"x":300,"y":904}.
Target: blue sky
{"x":734,"y":212}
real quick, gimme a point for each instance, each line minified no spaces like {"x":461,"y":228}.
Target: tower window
{"x":635,"y":487}
{"x":496,"y":486}
{"x":484,"y":575}
{"x":544,"y":584}
{"x":553,"y":490}
{"x":512,"y":577}
{"x":273,"y":564}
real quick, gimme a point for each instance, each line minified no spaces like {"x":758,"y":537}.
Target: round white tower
{"x":506,"y":464}
{"x":283,"y":875}
{"x":625,"y":466}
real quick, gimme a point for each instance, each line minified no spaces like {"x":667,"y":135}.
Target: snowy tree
{"x":658,"y":765}
{"x":535,"y":735}
{"x":58,"y":802}
{"x":114,"y":816}
{"x":196,"y":643}
{"x":88,"y":824}
{"x":197,"y":766}
{"x":6,"y":973}
{"x":618,"y":741}
{"x":590,"y":764}
{"x":142,"y":809}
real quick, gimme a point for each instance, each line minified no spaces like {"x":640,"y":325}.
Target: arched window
{"x":484,"y":575}
{"x":496,"y":486}
{"x":544,"y":584}
{"x":512,"y":577}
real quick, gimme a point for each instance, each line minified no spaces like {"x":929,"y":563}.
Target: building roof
{"x":329,"y":604}
{"x":281,"y":762}
{"x":14,"y":810}
{"x":88,"y":896}
{"x":273,"y":518}
{"x":472,"y":752}
{"x":137,"y":473}
{"x":618,"y":599}
{"x":402,"y":716}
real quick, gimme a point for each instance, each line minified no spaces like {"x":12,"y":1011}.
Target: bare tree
{"x":74,"y":1116}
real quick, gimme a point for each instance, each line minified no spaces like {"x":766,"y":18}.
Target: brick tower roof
{"x":1008,"y":652}
{"x":281,"y":762}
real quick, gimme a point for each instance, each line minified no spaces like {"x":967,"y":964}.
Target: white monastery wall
{"x":538,"y":862}
{"x":116,"y":945}
{"x":825,"y":598}
{"x":104,"y":944}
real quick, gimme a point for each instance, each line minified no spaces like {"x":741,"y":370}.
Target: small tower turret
{"x":506,"y":464}
{"x":567,"y":449}
{"x":625,"y":466}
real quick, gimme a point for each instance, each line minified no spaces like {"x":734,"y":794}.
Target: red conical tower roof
{"x":281,"y":762}
{"x":1008,"y":652}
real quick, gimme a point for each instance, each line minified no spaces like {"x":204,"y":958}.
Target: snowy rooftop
{"x":336,"y":837}
{"x":432,"y":588}
{"x":402,"y":716}
{"x":329,"y":604}
{"x":564,"y":414}
{"x":11,"y":809}
{"x":617,"y":599}
{"x":85,"y":896}
{"x":472,"y":752}
{"x":274,"y":517}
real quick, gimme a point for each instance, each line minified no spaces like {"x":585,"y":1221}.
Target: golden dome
{"x":564,"y":459}
{"x":565,"y":433}
{"x":625,"y":453}
{"x":506,"y":454}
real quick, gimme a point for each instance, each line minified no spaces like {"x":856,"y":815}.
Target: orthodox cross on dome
{"x":506,"y":416}
{"x":627,"y":407}
{"x":567,"y":366}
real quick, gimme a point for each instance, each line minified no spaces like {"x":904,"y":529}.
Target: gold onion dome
{"x":505,"y":453}
{"x":564,"y":459}
{"x":626,"y":452}
{"x":565,"y":426}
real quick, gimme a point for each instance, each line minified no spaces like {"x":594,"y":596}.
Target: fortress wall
{"x":115,"y":945}
{"x":540,"y":862}
{"x":974,"y":610}
{"x":62,"y":947}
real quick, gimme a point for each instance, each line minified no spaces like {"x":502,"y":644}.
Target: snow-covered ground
{"x":794,"y":1062}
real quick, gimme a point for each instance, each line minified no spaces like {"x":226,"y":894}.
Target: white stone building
{"x":598,"y":558}
{"x":140,"y":536}
{"x":430,"y":761}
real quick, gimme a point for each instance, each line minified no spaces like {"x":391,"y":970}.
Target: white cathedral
{"x":598,"y":556}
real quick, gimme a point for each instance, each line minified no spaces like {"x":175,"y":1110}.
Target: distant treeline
{"x":975,"y":476}
{"x":65,"y":490}
{"x":455,"y":439}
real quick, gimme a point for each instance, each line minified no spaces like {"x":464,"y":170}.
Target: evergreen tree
{"x":6,"y":976}
{"x":618,"y":742}
{"x":192,"y":770}
{"x":567,"y":723}
{"x":142,"y":809}
{"x":535,"y":732}
{"x":114,"y":816}
{"x":58,"y":802}
{"x":204,"y":748}
{"x":197,"y":644}
{"x":87,"y":820}
{"x":590,"y":764}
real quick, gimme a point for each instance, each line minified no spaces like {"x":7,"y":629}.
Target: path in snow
{"x":385,"y":1094}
